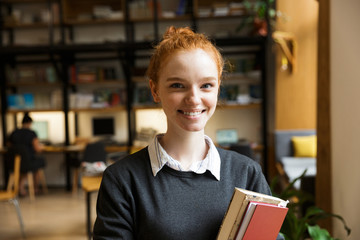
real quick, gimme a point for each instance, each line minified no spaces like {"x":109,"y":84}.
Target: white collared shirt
{"x":159,"y":158}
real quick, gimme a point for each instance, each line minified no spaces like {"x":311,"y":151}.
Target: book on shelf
{"x":31,"y":74}
{"x":43,"y":100}
{"x":56,"y":99}
{"x":50,"y":74}
{"x":28,"y":100}
{"x":220,"y":9}
{"x":142,"y":95}
{"x":21,"y":101}
{"x":26,"y":74}
{"x":72,"y":74}
{"x":184,"y":7}
{"x":14,"y":101}
{"x":236,"y":8}
{"x":86,"y":74}
{"x":99,"y":98}
{"x":252,"y":215}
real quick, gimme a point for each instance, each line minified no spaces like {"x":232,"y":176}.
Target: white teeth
{"x":192,"y":113}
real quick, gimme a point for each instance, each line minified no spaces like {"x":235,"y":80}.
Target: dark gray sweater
{"x":133,"y":204}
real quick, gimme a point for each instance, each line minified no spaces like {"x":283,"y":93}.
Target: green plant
{"x":259,"y":7}
{"x":302,"y":218}
{"x":259,"y":13}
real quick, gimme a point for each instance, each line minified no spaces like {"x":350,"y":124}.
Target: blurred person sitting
{"x":25,"y":139}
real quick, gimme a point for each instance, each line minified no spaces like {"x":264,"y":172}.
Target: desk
{"x":67,"y":150}
{"x":81,"y":148}
{"x":77,"y":149}
{"x":90,"y":185}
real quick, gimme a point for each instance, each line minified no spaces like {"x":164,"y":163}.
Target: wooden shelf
{"x":161,"y":19}
{"x":24,"y":1}
{"x":229,"y":77}
{"x":146,"y":107}
{"x":35,"y":84}
{"x":239,"y":106}
{"x":212,"y":17}
{"x":119,"y":46}
{"x":29,"y":25}
{"x":93,"y":21}
{"x":13,"y":111}
{"x":105,"y":109}
{"x":105,"y":83}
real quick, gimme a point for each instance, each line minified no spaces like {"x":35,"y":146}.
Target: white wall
{"x":55,"y":121}
{"x":85,"y":125}
{"x":345,"y":113}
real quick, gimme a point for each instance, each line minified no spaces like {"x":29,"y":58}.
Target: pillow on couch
{"x":304,"y":146}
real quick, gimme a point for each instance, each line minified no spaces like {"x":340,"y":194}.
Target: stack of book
{"x":31,"y":74}
{"x":220,"y":9}
{"x":253,"y":215}
{"x":142,"y":95}
{"x":86,"y":74}
{"x":40,"y":101}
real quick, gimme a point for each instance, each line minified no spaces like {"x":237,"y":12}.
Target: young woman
{"x":178,"y":187}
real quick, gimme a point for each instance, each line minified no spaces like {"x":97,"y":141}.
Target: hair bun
{"x":173,"y":31}
{"x":26,"y":118}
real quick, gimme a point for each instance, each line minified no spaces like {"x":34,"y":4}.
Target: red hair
{"x":181,"y":39}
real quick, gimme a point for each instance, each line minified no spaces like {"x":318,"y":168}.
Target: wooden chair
{"x":94,"y":152}
{"x":11,"y":193}
{"x":30,"y":181}
{"x":12,"y":152}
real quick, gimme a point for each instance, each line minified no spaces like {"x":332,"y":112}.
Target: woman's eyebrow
{"x":210,"y":78}
{"x":172,"y":79}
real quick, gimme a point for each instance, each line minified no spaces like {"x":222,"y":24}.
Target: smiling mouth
{"x":195,"y":113}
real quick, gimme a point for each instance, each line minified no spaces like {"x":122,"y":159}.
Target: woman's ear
{"x":154,"y":91}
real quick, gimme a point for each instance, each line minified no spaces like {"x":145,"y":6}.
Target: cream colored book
{"x":237,"y":207}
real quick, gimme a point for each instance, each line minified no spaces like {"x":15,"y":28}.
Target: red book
{"x":265,"y":221}
{"x":73,"y":77}
{"x":236,"y":213}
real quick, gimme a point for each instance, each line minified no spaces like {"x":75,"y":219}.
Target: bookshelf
{"x":112,"y":39}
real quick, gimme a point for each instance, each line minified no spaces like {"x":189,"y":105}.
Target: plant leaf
{"x":315,"y":213}
{"x":317,"y":233}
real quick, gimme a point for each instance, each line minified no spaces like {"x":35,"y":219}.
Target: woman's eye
{"x":176,"y":85}
{"x":207,"y":85}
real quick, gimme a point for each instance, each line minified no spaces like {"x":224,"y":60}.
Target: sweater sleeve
{"x":114,"y":217}
{"x":257,"y":181}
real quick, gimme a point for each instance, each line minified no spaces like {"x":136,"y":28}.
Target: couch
{"x":291,"y":165}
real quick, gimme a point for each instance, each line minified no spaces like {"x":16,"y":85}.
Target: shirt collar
{"x":159,"y":158}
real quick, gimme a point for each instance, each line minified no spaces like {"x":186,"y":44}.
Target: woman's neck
{"x":26,"y":125}
{"x":185,"y":147}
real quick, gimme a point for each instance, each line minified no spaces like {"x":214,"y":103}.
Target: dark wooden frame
{"x":324,"y":176}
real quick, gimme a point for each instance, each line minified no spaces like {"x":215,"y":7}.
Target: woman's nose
{"x":193,"y":96}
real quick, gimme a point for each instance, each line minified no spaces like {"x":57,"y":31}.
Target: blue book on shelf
{"x":13,"y":101}
{"x":181,"y":8}
{"x":28,"y":100}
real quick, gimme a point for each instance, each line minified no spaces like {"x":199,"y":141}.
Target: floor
{"x":56,"y":215}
